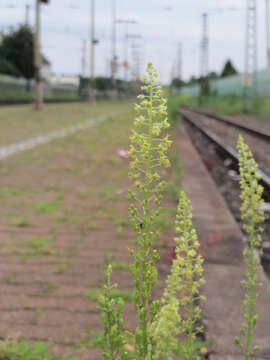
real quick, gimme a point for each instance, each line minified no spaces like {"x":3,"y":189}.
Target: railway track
{"x":191,"y":116}
{"x":221,"y":159}
{"x":260,"y":133}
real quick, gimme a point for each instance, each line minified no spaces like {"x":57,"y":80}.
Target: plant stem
{"x":251,"y":277}
{"x":190,"y":315}
{"x":146,"y":222}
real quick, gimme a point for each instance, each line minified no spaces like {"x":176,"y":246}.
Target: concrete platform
{"x":220,"y":238}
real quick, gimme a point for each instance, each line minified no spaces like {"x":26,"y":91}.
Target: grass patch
{"x":50,"y":288}
{"x":34,"y":248}
{"x":109,"y":193}
{"x":63,"y":267}
{"x":14,"y":190}
{"x":119,"y":265}
{"x":67,"y":217}
{"x":258,"y":106}
{"x":22,"y":222}
{"x":21,"y":350}
{"x":94,"y":294}
{"x":50,"y":207}
{"x":37,"y":312}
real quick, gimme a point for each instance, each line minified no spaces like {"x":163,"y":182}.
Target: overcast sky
{"x":161,"y":23}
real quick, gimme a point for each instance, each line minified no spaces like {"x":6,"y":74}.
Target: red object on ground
{"x":208,"y":164}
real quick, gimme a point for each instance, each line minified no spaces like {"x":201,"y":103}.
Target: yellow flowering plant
{"x":252,"y":216}
{"x":159,"y":323}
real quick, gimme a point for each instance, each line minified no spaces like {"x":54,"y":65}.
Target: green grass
{"x":50,"y":288}
{"x":67,"y":217}
{"x":257,"y":106}
{"x":119,"y":265}
{"x":63,"y":267}
{"x":21,"y":350}
{"x":14,"y":190}
{"x":50,"y":207}
{"x":34,"y":248}
{"x":23,"y":122}
{"x":22,"y":222}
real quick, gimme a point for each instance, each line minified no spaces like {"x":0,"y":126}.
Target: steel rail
{"x":227,"y":149}
{"x":262,"y":133}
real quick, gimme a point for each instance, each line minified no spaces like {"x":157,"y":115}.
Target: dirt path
{"x":63,"y":218}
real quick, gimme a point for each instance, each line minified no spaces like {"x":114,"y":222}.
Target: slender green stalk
{"x":112,"y":340}
{"x":148,"y":156}
{"x":252,"y":216}
{"x":191,"y":311}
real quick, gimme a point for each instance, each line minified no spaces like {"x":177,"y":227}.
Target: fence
{"x":20,"y":90}
{"x":233,"y":85}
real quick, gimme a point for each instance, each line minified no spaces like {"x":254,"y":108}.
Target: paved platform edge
{"x":220,"y":238}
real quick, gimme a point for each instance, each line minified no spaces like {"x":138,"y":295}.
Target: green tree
{"x":228,"y":69}
{"x":8,"y":68}
{"x":177,"y":83}
{"x":17,"y":51}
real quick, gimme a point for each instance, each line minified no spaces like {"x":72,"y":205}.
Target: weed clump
{"x":158,"y":321}
{"x":161,"y":322}
{"x":252,"y":216}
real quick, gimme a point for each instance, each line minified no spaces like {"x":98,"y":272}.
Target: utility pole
{"x":179,"y":61}
{"x":92,"y":95}
{"x":83,"y":73}
{"x":204,"y":85}
{"x":126,"y":22}
{"x":37,"y":60}
{"x":114,"y":57}
{"x":250,"y":52}
{"x":27,"y":15}
{"x":204,"y":46}
{"x":267,"y":33}
{"x":37,"y":57}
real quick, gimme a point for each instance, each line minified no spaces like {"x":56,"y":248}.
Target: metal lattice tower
{"x":204,"y":47}
{"x":251,"y":47}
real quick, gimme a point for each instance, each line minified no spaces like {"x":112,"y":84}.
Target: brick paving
{"x":70,"y":199}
